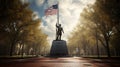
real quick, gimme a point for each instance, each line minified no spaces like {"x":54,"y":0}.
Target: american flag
{"x":51,"y":10}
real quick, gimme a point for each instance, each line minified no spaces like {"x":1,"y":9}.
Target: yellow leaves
{"x":21,"y":15}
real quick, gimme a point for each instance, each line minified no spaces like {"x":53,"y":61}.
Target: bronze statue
{"x":59,"y":31}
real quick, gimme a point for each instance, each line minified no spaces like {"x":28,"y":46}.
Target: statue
{"x":59,"y":47}
{"x":59,"y":31}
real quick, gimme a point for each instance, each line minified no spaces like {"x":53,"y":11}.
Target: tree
{"x":101,"y":22}
{"x":17,"y":21}
{"x":105,"y":16}
{"x":82,"y":38}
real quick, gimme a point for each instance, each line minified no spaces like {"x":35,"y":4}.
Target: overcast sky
{"x":69,"y":13}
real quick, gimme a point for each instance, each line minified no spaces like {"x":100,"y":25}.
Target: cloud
{"x":35,"y":15}
{"x":24,"y":1}
{"x":51,"y":2}
{"x":69,"y":14}
{"x":39,"y":2}
{"x":88,"y":1}
{"x":49,"y":28}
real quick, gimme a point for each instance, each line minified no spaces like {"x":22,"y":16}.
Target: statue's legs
{"x":56,"y":37}
{"x":60,"y":37}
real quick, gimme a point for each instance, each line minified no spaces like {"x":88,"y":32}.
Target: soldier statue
{"x":59,"y":31}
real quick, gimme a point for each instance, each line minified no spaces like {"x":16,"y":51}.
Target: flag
{"x":51,"y":10}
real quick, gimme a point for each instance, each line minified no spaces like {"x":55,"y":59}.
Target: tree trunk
{"x":108,"y":48}
{"x":12,"y":48}
{"x":97,"y":43}
{"x":13,"y":42}
{"x":23,"y":50}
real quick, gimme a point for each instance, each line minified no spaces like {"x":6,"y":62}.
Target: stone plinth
{"x":59,"y":48}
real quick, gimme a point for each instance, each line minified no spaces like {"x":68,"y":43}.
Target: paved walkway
{"x":59,"y":62}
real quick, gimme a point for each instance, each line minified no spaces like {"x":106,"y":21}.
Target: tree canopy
{"x":100,"y":25}
{"x":18,"y":26}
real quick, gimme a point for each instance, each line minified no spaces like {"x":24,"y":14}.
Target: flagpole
{"x":57,"y":23}
{"x":58,"y":14}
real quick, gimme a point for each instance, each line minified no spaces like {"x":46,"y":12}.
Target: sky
{"x":69,"y":15}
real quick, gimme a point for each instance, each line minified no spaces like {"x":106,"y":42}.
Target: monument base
{"x":59,"y":49}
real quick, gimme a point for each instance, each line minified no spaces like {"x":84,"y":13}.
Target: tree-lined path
{"x":26,"y":31}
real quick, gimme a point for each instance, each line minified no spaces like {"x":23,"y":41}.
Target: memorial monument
{"x":59,"y":47}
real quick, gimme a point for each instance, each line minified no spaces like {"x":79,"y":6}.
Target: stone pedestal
{"x":59,"y":48}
